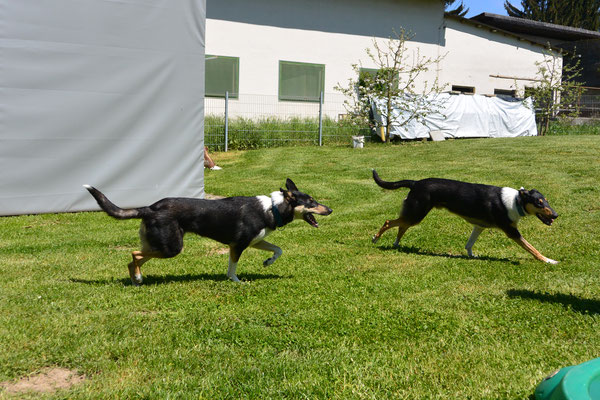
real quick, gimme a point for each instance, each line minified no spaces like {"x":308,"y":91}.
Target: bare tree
{"x":557,"y":92}
{"x":392,"y":85}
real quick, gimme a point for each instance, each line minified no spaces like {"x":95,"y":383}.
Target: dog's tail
{"x":392,"y":185}
{"x":111,"y":209}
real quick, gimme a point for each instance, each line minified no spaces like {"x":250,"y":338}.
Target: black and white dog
{"x":484,"y":206}
{"x":239,"y":222}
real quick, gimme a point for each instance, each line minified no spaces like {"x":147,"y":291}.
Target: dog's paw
{"x":551,"y":261}
{"x":137,"y":280}
{"x":268,"y":262}
{"x":234,"y":278}
{"x":374,"y":239}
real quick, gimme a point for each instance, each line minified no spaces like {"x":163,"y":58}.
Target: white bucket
{"x":358,"y":142}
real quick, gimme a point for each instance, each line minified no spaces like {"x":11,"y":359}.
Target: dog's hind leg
{"x":234,"y":256}
{"x":401,"y":230}
{"x":134,"y":268}
{"x":264,"y":245}
{"x":474,"y":235}
{"x":231,"y":274}
{"x":389,"y":224}
{"x":158,"y":241}
{"x":414,"y":209}
{"x":139,"y":258}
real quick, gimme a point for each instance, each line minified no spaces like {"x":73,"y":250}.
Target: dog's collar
{"x":277,"y":215}
{"x":519,"y":207}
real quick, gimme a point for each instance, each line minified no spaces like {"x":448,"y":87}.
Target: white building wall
{"x":487,"y":60}
{"x":259,"y":64}
{"x":334,"y":33}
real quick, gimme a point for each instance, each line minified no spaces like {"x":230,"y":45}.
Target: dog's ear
{"x":524,"y":194}
{"x":290,"y":185}
{"x":287,"y":195}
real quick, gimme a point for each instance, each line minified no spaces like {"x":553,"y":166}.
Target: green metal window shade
{"x":222,"y":75}
{"x":301,"y":81}
{"x":370,"y":71}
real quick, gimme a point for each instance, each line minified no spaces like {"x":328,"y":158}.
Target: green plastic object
{"x":576,"y":382}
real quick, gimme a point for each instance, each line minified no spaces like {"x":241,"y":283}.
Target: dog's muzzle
{"x":547,"y":215}
{"x":320,"y":210}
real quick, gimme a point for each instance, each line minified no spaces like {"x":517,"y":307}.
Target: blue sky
{"x":476,"y":7}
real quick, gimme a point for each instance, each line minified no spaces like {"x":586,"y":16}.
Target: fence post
{"x":226,"y":119}
{"x":321,"y":120}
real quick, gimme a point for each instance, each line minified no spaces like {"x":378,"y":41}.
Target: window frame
{"x":463,"y":89}
{"x":374,"y":72}
{"x":505,"y":92}
{"x":236,"y":82}
{"x":321,"y":83}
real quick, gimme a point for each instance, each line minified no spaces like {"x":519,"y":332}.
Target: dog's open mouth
{"x":545,"y":219}
{"x":311,"y":220}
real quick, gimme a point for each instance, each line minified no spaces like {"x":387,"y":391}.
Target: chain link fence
{"x":589,"y":104}
{"x":252,"y":121}
{"x":255,"y":121}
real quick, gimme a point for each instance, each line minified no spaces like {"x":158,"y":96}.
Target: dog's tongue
{"x":311,"y":220}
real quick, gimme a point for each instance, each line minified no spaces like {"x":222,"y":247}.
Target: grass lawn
{"x":336,"y":316}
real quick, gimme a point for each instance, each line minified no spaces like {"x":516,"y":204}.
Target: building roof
{"x":536,"y":28}
{"x":498,"y":30}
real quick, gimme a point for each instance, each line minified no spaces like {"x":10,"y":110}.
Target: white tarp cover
{"x":102,"y":92}
{"x":468,"y":116}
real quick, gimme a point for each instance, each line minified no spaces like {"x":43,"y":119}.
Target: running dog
{"x":484,"y":206}
{"x":239,"y":222}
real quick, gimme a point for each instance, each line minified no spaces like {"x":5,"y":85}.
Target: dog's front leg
{"x":513,"y":233}
{"x":525,"y":244}
{"x":474,"y":235}
{"x":264,"y":245}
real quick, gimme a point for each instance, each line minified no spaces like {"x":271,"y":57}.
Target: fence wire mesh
{"x":255,"y":121}
{"x":589,"y":104}
{"x":264,"y":121}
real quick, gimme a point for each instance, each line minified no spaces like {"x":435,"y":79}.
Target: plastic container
{"x":576,"y":382}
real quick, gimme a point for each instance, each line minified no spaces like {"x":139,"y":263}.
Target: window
{"x":369,"y":71}
{"x":463,"y":89}
{"x":222,"y":75}
{"x":301,"y":81}
{"x":364,"y":73}
{"x":505,"y":92}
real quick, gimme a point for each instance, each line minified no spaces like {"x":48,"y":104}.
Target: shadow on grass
{"x":166,"y":279}
{"x":577,"y":304}
{"x":416,"y":250}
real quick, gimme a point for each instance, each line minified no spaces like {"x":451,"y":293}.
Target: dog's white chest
{"x":509,"y":198}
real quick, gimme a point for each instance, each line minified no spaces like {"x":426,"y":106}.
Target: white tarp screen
{"x":468,"y":116}
{"x":99,"y":92}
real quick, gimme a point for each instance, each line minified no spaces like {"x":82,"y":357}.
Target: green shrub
{"x":559,"y":128}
